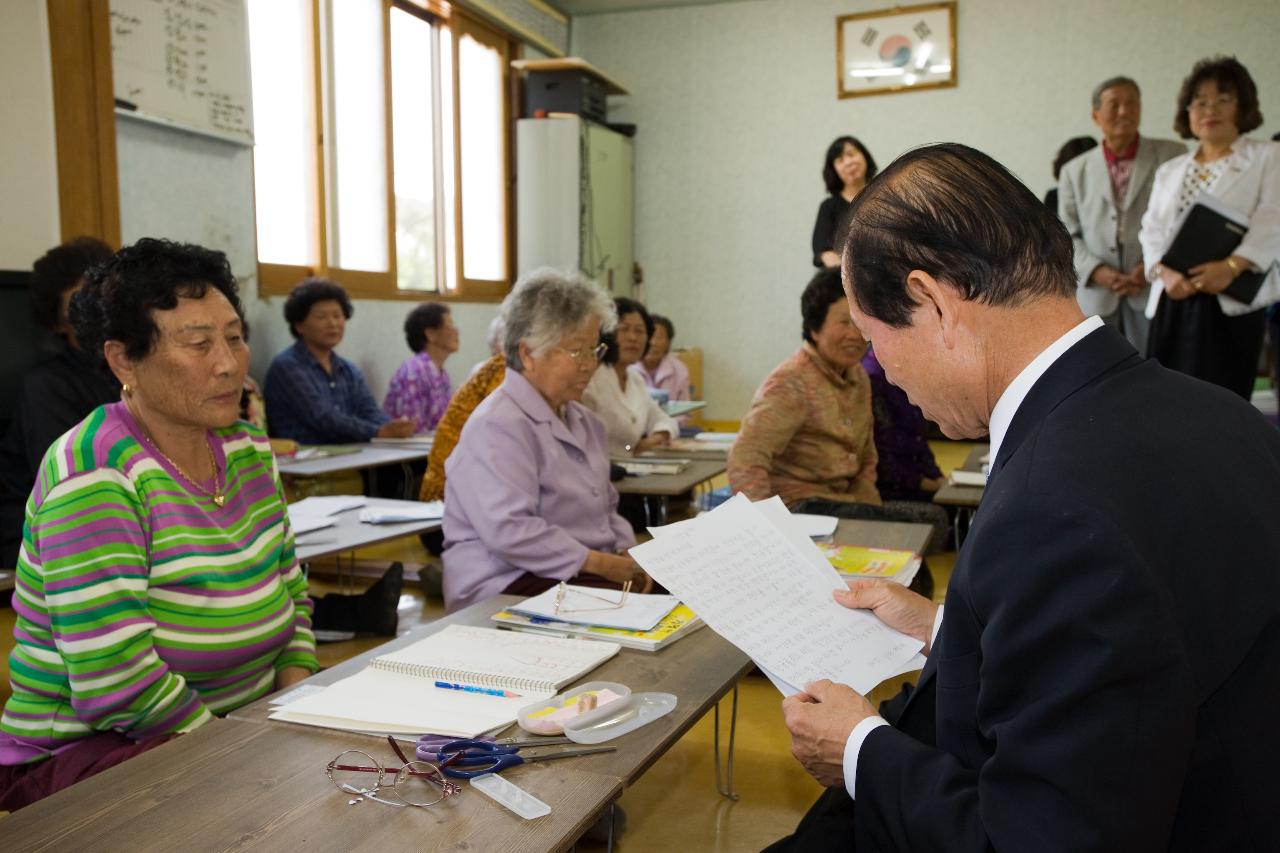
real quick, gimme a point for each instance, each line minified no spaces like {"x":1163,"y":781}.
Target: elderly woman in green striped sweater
{"x":157,"y":583}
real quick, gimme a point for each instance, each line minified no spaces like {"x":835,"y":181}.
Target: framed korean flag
{"x":896,"y":50}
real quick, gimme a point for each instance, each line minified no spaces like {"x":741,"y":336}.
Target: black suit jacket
{"x":1107,"y":676}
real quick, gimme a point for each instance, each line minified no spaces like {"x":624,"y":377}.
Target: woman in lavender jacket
{"x":528,"y":502}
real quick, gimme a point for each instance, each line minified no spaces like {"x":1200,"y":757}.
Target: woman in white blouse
{"x":1199,"y":325}
{"x":633,"y":420}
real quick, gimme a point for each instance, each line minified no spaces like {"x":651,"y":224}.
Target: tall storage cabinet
{"x":574,"y":199}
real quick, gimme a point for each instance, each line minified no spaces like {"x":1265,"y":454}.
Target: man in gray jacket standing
{"x":1102,"y":195}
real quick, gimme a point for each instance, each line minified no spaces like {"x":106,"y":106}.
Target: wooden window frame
{"x":84,"y":120}
{"x":279,"y":279}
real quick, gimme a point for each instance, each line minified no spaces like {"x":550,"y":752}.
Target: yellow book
{"x":676,"y":624}
{"x":857,"y":561}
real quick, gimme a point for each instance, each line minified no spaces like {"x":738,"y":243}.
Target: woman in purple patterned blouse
{"x":906,"y":469}
{"x":420,"y":388}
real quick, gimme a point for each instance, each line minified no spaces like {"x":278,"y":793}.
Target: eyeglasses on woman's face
{"x":586,"y":357}
{"x":1219,"y":102}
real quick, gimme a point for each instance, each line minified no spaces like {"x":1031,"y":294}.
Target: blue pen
{"x":487,"y":691}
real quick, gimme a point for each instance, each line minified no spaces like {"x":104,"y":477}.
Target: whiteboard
{"x":184,"y":62}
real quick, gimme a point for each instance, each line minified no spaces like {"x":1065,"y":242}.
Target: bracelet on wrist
{"x":1235,"y":268}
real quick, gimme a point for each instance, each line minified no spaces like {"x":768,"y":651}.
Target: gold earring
{"x":126,"y":389}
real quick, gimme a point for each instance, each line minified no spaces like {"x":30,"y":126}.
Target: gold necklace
{"x":217,"y":495}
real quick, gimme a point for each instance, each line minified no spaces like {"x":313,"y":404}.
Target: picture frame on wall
{"x":903,"y":49}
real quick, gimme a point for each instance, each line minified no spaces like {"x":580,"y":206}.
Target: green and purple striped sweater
{"x":142,"y":607}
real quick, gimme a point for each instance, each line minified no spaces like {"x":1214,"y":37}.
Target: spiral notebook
{"x":396,"y":692}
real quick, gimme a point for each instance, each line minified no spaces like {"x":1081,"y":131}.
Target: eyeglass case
{"x":549,"y":716}
{"x":618,"y":718}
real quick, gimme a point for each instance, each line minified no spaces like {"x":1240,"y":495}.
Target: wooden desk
{"x":250,"y":782}
{"x":670,"y":485}
{"x":897,"y":535}
{"x":241,"y":785}
{"x":351,"y":533}
{"x":699,"y":669}
{"x":964,"y":498}
{"x":368,"y":456}
{"x":662,"y":487}
{"x":8,"y":579}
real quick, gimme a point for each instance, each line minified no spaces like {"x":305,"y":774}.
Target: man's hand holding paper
{"x":820,"y":720}
{"x":894,"y":605}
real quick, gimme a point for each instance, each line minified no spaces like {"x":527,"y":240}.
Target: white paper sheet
{"x":582,"y":606}
{"x":759,"y":587}
{"x":969,"y":478}
{"x":327,"y":504}
{"x":303,"y":524}
{"x":410,"y":511}
{"x":815,"y":526}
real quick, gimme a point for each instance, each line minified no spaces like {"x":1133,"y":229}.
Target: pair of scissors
{"x":467,"y":759}
{"x":429,"y":745}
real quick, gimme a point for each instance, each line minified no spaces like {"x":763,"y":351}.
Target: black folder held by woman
{"x":1211,"y":231}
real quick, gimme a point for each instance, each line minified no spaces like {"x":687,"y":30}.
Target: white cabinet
{"x":574,"y":200}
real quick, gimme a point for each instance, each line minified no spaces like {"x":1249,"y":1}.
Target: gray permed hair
{"x":548,"y":304}
{"x":1109,"y":83}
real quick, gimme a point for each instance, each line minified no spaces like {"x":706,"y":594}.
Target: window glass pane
{"x":284,"y":152}
{"x":448,"y":188}
{"x":412,"y":141}
{"x":357,"y":157}
{"x":484,"y":205}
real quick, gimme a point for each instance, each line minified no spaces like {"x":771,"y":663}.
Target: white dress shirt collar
{"x":1011,"y":400}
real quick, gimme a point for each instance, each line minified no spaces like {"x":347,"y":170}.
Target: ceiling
{"x":600,"y":7}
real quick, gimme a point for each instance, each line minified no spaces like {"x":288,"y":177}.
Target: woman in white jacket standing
{"x":1198,"y":327}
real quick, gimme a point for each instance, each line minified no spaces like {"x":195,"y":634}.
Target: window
{"x":371,"y":165}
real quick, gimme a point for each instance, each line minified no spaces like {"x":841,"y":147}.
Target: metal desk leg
{"x":726,"y":790}
{"x":406,"y":471}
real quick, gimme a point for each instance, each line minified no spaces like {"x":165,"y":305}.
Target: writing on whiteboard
{"x":185,"y":61}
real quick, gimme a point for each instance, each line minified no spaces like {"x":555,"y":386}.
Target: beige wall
{"x":736,"y":103}
{"x":28,"y":168}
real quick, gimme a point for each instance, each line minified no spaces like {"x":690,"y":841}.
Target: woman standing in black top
{"x":847,"y":168}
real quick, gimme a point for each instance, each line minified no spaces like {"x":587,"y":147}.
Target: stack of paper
{"x":727,"y":437}
{"x":969,"y":478}
{"x":758,"y":581}
{"x":423,"y":441}
{"x":324,"y":451}
{"x":585,"y":605}
{"x":680,"y":622}
{"x":647,"y":622}
{"x":644,"y":466}
{"x":402,"y":511}
{"x":316,"y":513}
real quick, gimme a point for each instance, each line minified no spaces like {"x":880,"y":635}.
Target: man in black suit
{"x":1107,"y":673}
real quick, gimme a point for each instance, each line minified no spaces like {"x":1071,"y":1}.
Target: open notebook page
{"x":757,"y":586}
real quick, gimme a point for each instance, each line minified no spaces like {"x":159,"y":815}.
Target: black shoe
{"x":376,"y":608}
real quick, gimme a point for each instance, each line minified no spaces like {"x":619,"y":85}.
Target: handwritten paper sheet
{"x":756,"y":584}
